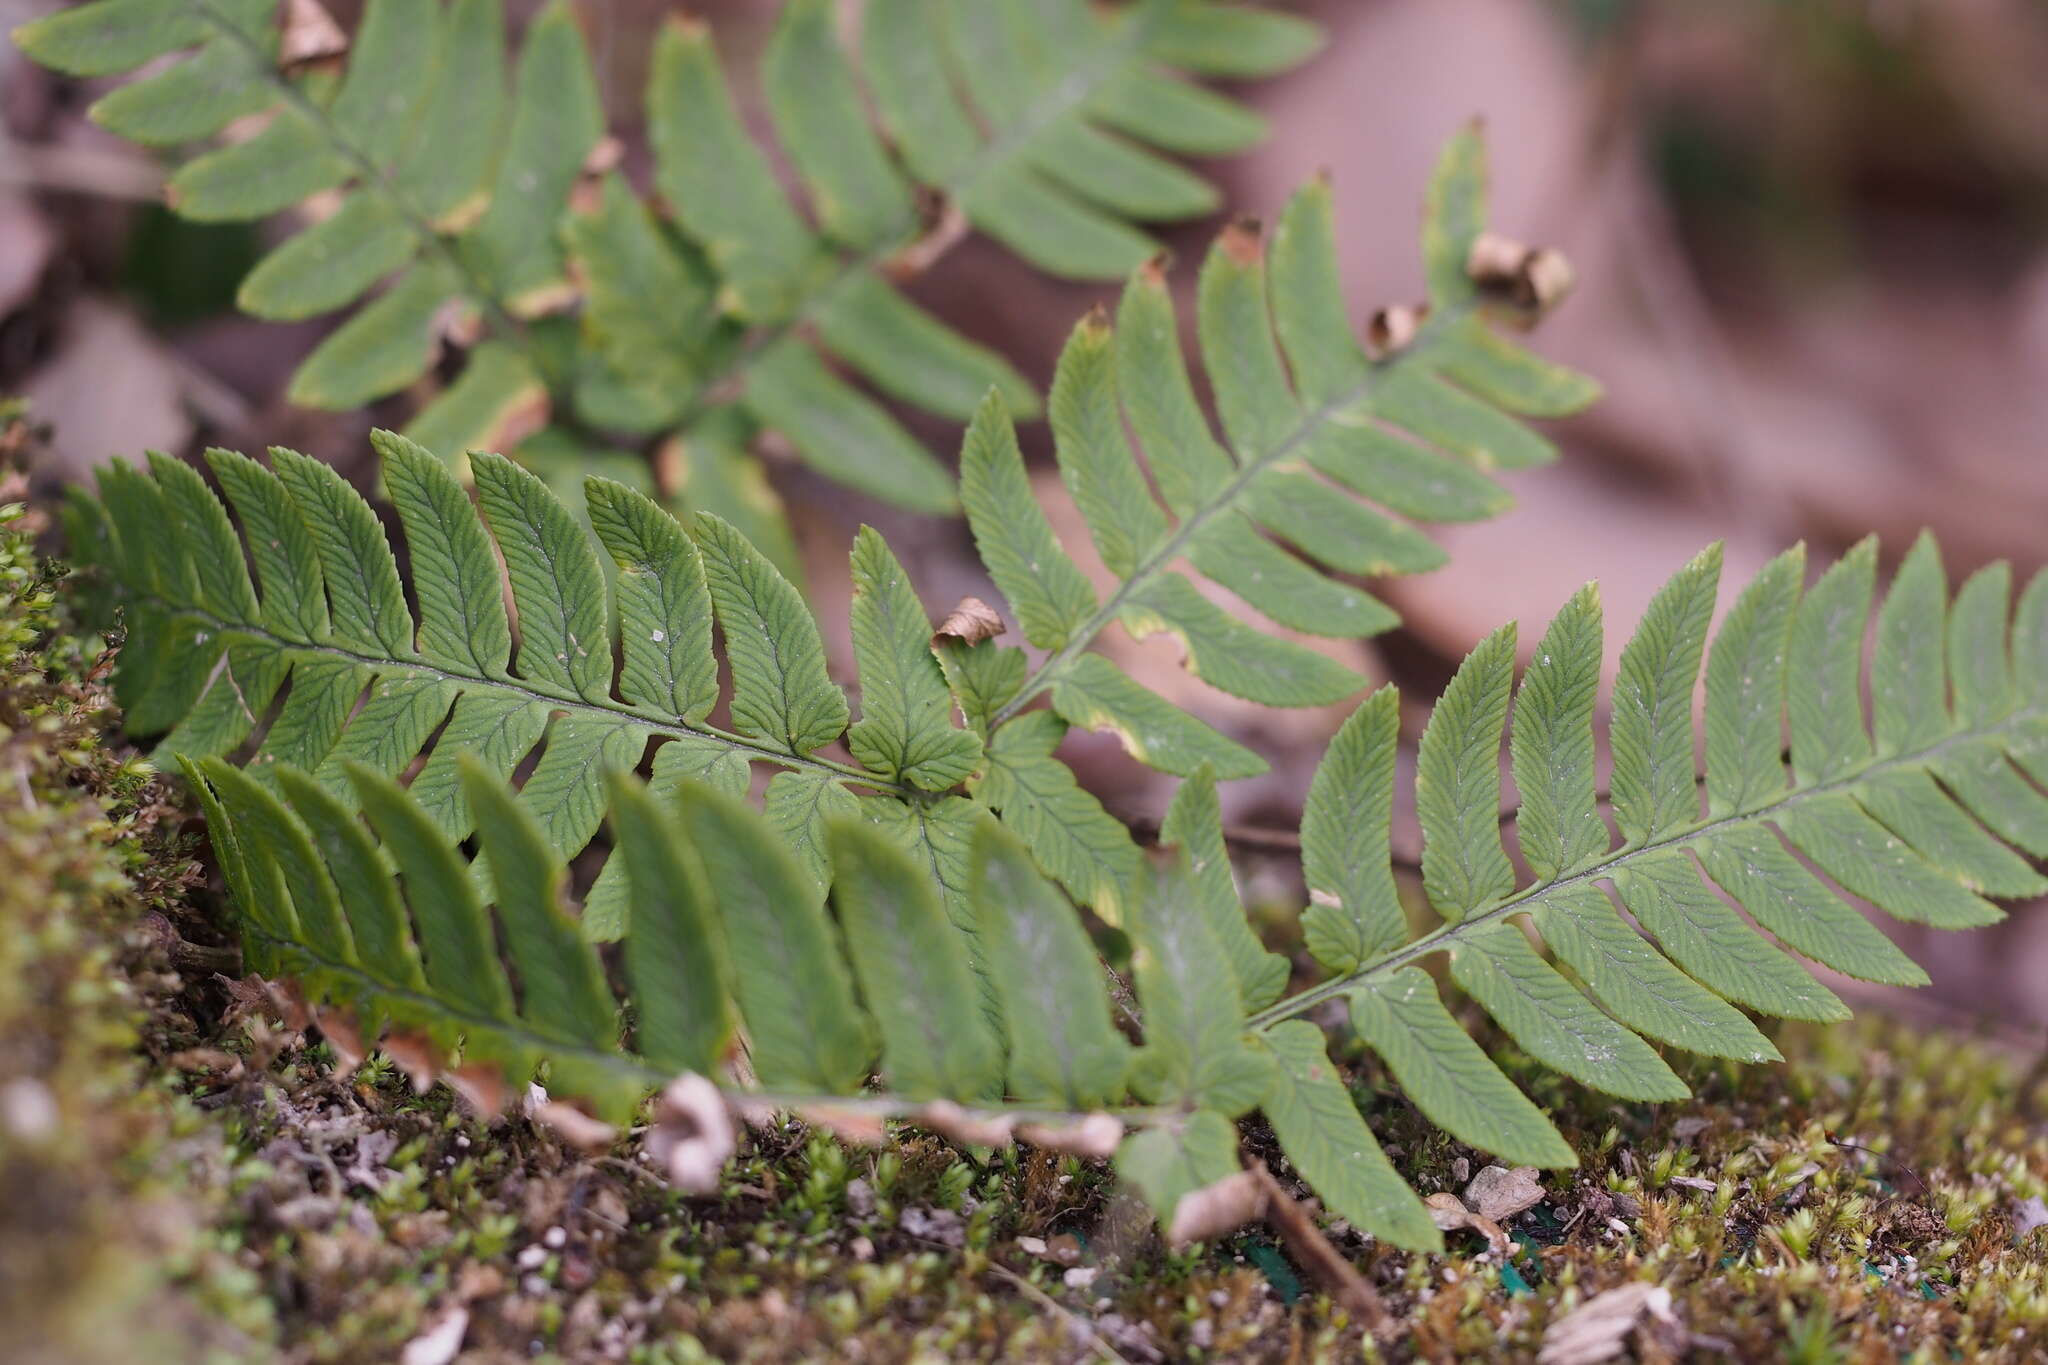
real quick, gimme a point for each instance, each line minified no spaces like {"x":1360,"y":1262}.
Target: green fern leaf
{"x":904,"y":949}
{"x":561,"y":983}
{"x":1063,"y":1049}
{"x":780,"y":691}
{"x":800,"y":806}
{"x":1171,"y":1160}
{"x":675,"y":959}
{"x":903,"y":729}
{"x":804,"y":1029}
{"x":1196,"y":1052}
{"x":1457,"y":782}
{"x":1267,"y":513}
{"x":1552,"y":743}
{"x":1194,"y":822}
{"x":1322,"y":1133}
{"x":1354,"y":908}
{"x":1446,"y":1074}
{"x":327,"y":625}
{"x":1073,"y":838}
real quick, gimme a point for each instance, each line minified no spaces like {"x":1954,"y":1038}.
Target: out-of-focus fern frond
{"x":457,"y":201}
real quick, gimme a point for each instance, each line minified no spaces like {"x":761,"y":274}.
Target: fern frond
{"x":977,"y":986}
{"x":367,"y":678}
{"x":1912,"y":814}
{"x":1035,"y":122}
{"x":1328,"y":461}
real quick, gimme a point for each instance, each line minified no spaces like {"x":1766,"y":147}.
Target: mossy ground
{"x":182,"y":1178}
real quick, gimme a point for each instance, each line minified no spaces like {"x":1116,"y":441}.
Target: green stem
{"x":1447,"y":937}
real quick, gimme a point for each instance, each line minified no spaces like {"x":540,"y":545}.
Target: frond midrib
{"x":1176,"y":543}
{"x":560,"y":699}
{"x":1450,"y":936}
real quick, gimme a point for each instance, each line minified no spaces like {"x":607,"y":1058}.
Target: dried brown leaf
{"x":969,"y":623}
{"x":415,"y":1055}
{"x":1498,"y":1193}
{"x":1394,"y":326}
{"x":1598,"y":1330}
{"x":1449,"y":1213}
{"x":1532,"y":280}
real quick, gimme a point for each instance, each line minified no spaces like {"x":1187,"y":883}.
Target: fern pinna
{"x":490,"y":213}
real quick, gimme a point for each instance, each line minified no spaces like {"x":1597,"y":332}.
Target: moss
{"x":180,"y":1177}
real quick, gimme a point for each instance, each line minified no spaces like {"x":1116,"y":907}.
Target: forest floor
{"x":183,"y":1177}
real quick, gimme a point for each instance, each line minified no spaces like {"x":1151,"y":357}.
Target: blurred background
{"x":1811,"y":239}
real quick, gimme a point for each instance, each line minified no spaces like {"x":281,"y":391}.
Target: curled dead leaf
{"x":1217,"y":1209}
{"x":969,"y":623}
{"x":1093,"y":1138}
{"x":1393,"y":327}
{"x":1598,"y":1329}
{"x":691,"y":1138}
{"x":307,"y":35}
{"x":948,"y":227}
{"x":1531,"y":279}
{"x":1449,"y":1213}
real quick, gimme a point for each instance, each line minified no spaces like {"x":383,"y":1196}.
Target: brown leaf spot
{"x":1240,"y":242}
